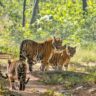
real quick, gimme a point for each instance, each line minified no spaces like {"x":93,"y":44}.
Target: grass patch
{"x":68,"y":79}
{"x":51,"y":93}
{"x":84,"y":55}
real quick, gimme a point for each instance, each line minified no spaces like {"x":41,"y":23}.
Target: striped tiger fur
{"x":42,"y":51}
{"x":62,"y":58}
{"x":17,"y":70}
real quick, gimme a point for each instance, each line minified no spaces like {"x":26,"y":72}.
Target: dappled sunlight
{"x":57,"y":41}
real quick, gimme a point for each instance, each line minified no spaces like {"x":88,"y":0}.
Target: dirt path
{"x":35,"y":87}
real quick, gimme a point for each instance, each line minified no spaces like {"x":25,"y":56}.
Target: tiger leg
{"x":47,"y":67}
{"x":60,"y":67}
{"x":12,"y":83}
{"x":22,"y":55}
{"x":44,"y":65}
{"x":22,"y":81}
{"x":66,"y":64}
{"x":30,"y":62}
{"x":22,"y":86}
{"x":66,"y":67}
{"x":55,"y":66}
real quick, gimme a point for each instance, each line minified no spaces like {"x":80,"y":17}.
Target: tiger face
{"x":57,"y":43}
{"x":71,"y":51}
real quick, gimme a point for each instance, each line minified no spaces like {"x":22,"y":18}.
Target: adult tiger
{"x":58,"y":59}
{"x":30,"y":49}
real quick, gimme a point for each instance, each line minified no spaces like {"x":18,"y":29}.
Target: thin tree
{"x":1,"y":4}
{"x":24,"y":8}
{"x":35,"y":11}
{"x":84,"y":5}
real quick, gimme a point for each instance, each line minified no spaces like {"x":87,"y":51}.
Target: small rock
{"x":92,"y":90}
{"x":78,"y":88}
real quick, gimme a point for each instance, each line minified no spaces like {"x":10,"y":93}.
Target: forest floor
{"x":43,"y":83}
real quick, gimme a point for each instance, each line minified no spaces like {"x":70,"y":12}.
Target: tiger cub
{"x":17,"y":70}
{"x":62,"y":57}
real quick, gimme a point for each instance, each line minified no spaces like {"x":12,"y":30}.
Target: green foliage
{"x":69,"y":79}
{"x":52,"y":79}
{"x":67,"y":21}
{"x":85,"y":54}
{"x":51,"y":93}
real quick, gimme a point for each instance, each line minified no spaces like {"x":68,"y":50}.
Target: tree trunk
{"x":35,"y":11}
{"x":1,"y":4}
{"x":84,"y":5}
{"x":24,"y":8}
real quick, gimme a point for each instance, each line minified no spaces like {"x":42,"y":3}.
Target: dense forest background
{"x":61,"y":18}
{"x":74,"y":21}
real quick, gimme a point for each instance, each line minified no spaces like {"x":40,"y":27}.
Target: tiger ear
{"x":67,"y":47}
{"x":9,"y":62}
{"x":67,"y":50}
{"x":75,"y":47}
{"x":59,"y":38}
{"x":64,"y":46}
{"x":54,"y":38}
{"x":62,"y":53}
